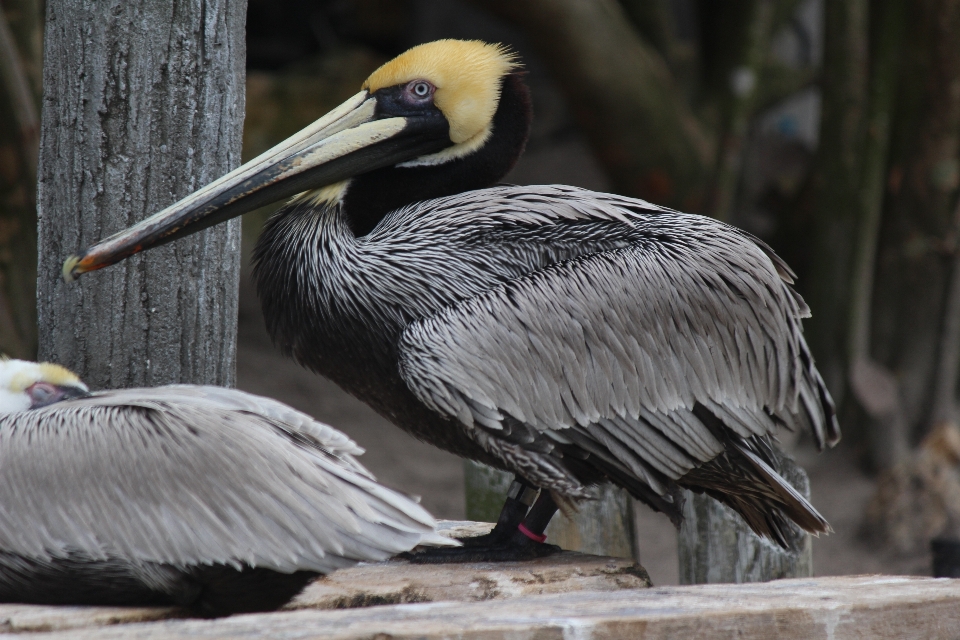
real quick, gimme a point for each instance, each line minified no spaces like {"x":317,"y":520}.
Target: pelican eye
{"x":419,"y":91}
{"x":42,"y":393}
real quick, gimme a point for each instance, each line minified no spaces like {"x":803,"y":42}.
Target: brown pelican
{"x":203,"y":497}
{"x":567,"y":336}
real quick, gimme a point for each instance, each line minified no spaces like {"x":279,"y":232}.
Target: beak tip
{"x":70,"y":272}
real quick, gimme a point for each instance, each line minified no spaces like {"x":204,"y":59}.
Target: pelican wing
{"x":285,"y":417}
{"x":634,"y":354}
{"x":191,"y":475}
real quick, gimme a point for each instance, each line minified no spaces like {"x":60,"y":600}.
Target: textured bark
{"x":716,"y":545}
{"x":143,"y":103}
{"x":623,"y":96}
{"x":602,"y":527}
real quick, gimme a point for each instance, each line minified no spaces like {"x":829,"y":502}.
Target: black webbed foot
{"x":509,"y":541}
{"x":512,"y":548}
{"x":519,"y":498}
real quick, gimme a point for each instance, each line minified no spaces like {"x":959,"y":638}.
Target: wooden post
{"x":716,"y":545}
{"x":602,"y":527}
{"x":142,"y":104}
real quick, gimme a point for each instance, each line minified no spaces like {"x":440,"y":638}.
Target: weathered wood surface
{"x":717,"y":546}
{"x":602,"y":527}
{"x":142,"y":104}
{"x":399,"y":582}
{"x":838,"y":608}
{"x":27,"y":618}
{"x":391,"y":582}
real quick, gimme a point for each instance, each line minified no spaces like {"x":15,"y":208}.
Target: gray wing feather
{"x":189,"y":475}
{"x":211,"y":397}
{"x":621,"y":345}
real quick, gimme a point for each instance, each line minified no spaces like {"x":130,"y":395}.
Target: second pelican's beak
{"x":356,"y":137}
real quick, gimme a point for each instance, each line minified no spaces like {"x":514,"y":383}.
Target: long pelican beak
{"x":352,"y":139}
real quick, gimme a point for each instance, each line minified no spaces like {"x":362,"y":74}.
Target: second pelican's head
{"x":29,"y":385}
{"x":441,"y":118}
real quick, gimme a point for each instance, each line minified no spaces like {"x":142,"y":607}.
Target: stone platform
{"x":567,"y":596}
{"x":834,"y":608}
{"x":373,"y":585}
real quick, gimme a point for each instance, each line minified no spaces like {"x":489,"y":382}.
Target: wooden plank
{"x":399,"y":582}
{"x":28,"y":618}
{"x":391,"y":582}
{"x":837,"y":608}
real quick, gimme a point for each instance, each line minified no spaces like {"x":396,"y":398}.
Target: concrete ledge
{"x":836,"y":608}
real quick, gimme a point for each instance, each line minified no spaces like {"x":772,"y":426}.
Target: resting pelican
{"x":567,"y":336}
{"x":202,"y":497}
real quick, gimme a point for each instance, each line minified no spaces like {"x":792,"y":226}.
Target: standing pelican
{"x":567,"y":336}
{"x":203,"y":497}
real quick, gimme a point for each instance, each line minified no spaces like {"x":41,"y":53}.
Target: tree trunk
{"x":19,"y":139}
{"x":740,"y":94}
{"x":716,"y":545}
{"x":835,"y":182}
{"x":876,"y":387}
{"x":143,"y":104}
{"x":915,"y":254}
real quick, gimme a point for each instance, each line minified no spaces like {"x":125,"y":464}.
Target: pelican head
{"x":416,"y":129}
{"x":29,"y":385}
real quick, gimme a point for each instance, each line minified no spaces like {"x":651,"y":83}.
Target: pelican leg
{"x":540,"y":515}
{"x":520,"y":496}
{"x":518,"y":534}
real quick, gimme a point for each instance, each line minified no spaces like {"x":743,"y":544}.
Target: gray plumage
{"x":160,"y":483}
{"x":547,"y":319}
{"x":629,"y":340}
{"x":568,"y":336}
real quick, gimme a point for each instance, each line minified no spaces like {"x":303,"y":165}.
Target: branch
{"x":948,"y":362}
{"x":14,"y":80}
{"x":778,"y":82}
{"x":655,"y":23}
{"x":741,"y":104}
{"x":622,"y":94}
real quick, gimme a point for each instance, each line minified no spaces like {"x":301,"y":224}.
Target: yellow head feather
{"x":55,"y":374}
{"x":26,"y":373}
{"x":466,"y":73}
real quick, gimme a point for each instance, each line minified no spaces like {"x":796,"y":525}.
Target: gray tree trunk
{"x":716,"y":545}
{"x":143,"y":103}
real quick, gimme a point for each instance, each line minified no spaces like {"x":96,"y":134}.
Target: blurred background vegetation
{"x":827,"y":128}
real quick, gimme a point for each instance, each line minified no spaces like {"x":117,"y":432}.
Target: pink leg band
{"x":531,"y":534}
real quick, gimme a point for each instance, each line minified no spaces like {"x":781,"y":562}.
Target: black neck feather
{"x":372,"y":195}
